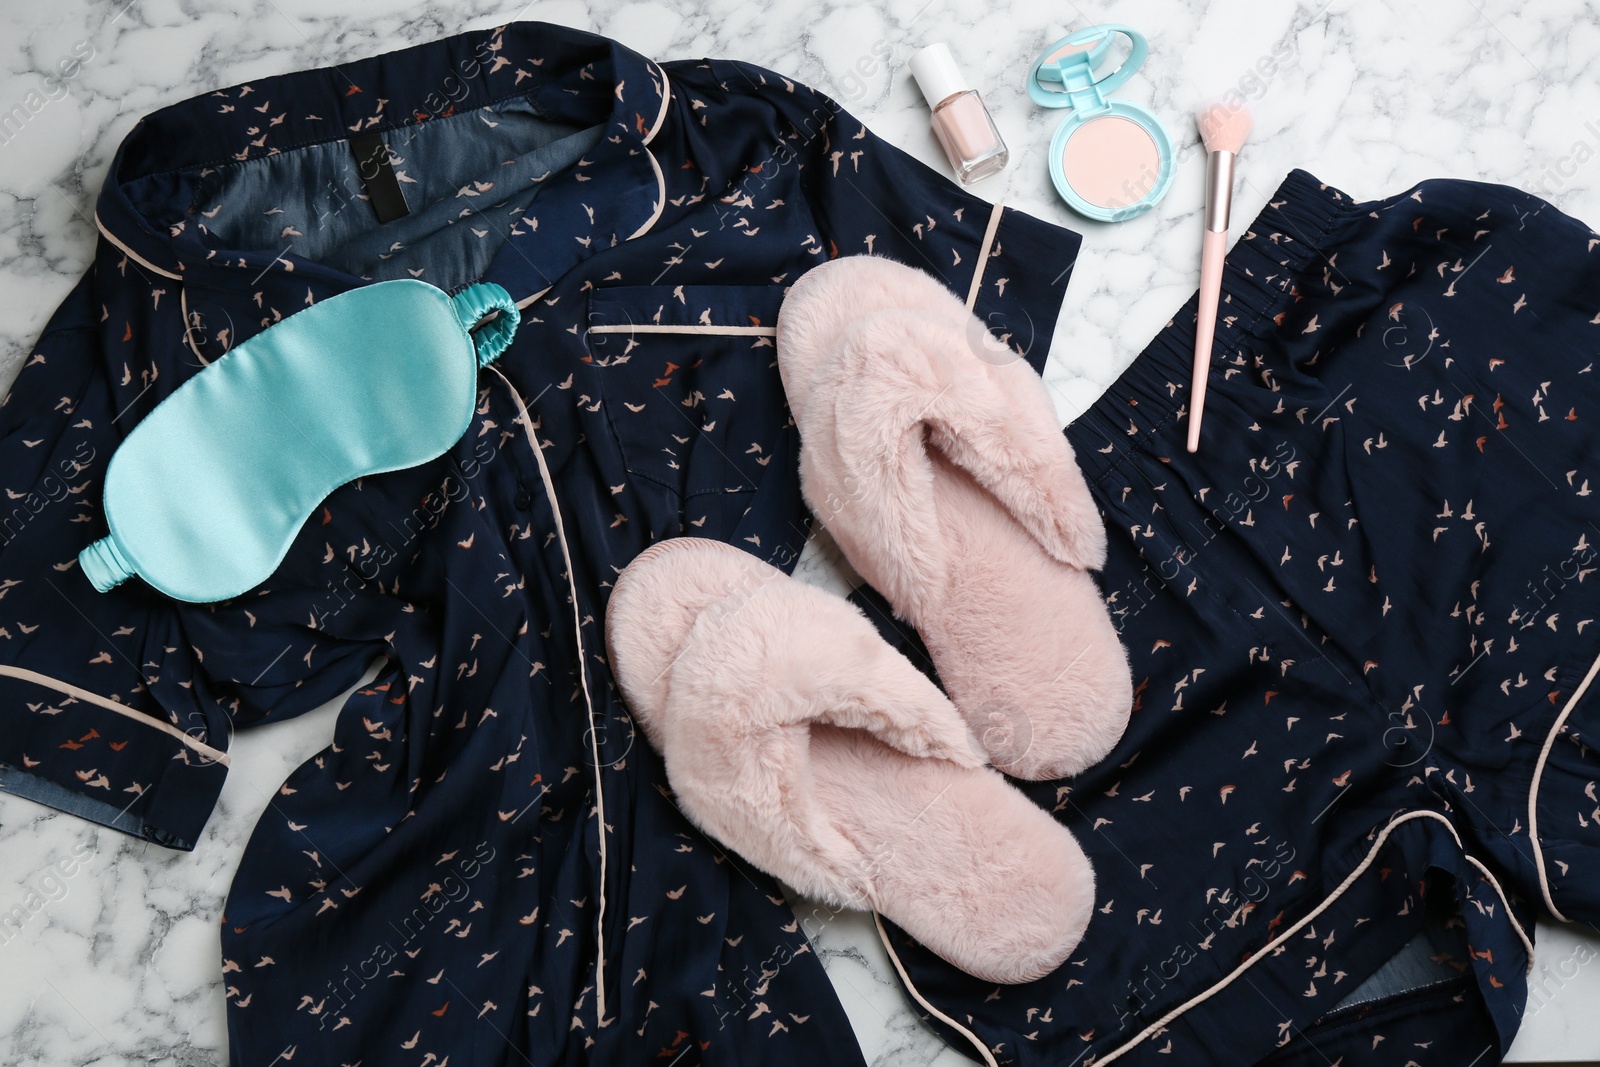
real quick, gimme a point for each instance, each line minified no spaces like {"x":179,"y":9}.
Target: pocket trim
{"x":1538,"y":776}
{"x":756,"y":331}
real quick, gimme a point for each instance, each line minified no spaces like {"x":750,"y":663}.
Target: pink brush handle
{"x":1212,"y":249}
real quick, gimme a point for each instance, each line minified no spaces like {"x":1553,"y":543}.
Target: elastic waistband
{"x":1296,"y":234}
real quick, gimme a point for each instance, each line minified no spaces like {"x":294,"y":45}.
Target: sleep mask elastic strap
{"x":473,"y":304}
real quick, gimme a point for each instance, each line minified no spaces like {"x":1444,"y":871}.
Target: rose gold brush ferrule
{"x":1219,"y":190}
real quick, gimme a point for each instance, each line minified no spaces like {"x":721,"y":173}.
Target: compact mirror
{"x":1111,"y":159}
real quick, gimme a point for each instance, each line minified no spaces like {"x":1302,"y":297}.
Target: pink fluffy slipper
{"x":794,"y":735}
{"x":932,"y":454}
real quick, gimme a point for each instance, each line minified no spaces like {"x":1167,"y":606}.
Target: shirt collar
{"x":616,"y":191}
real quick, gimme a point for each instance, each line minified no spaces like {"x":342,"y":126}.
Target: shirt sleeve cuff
{"x":76,"y":752}
{"x":1022,"y":279}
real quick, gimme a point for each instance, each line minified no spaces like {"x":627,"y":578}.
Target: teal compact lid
{"x":1111,"y":159}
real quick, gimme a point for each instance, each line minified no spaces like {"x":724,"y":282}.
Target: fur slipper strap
{"x":748,"y":673}
{"x":904,"y":381}
{"x":744,"y":695}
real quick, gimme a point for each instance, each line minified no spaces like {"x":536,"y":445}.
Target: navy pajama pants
{"x":1364,"y":622}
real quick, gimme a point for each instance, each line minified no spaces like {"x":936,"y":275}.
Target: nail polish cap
{"x":937,"y":74}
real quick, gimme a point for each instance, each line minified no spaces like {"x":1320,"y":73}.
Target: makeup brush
{"x":1223,"y":130}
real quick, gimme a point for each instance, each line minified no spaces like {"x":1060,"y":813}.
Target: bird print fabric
{"x":1364,"y":621}
{"x":485,"y":865}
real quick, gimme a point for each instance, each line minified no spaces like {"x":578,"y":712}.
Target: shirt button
{"x":524,"y":499}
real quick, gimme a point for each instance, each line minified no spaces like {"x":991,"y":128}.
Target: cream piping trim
{"x":655,"y":164}
{"x":661,"y":179}
{"x":188,"y":332}
{"x":1527,"y":945}
{"x":983,"y":255}
{"x":215,"y":755}
{"x":583,"y":678}
{"x":756,"y":331}
{"x":661,"y":196}
{"x":1533,"y":790}
{"x":666,"y":97}
{"x":1349,"y":879}
{"x":983,"y":1050}
{"x":525,"y":301}
{"x":130,"y":253}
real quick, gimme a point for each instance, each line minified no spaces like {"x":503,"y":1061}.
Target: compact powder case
{"x":1111,"y":159}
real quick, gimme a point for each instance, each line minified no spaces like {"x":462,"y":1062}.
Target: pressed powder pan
{"x":1111,"y":162}
{"x":1111,"y":159}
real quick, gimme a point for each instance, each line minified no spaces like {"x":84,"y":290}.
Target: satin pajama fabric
{"x":1364,"y":622}
{"x":485,"y":866}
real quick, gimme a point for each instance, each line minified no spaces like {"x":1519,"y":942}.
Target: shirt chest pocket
{"x":689,"y":378}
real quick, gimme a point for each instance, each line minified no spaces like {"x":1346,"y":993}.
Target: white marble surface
{"x":120,"y":965}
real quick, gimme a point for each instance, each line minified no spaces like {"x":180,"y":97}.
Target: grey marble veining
{"x":117,"y":961}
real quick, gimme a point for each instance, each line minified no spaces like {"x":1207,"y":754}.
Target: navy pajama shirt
{"x":485,"y":866}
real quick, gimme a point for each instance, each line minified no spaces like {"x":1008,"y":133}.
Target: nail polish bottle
{"x":960,"y":121}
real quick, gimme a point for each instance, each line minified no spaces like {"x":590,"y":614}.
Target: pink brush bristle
{"x":1224,"y":127}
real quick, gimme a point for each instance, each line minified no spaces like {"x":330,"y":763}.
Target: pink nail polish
{"x":965,"y":131}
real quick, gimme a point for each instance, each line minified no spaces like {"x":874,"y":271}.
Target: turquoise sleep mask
{"x":206,"y":494}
